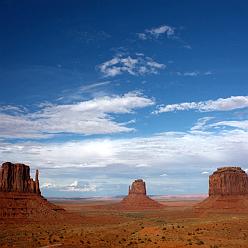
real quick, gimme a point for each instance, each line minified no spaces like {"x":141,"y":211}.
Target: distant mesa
{"x":20,"y":195}
{"x":137,"y":198}
{"x":228,"y":191}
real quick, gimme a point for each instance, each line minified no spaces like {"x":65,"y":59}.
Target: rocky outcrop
{"x":138,"y":187}
{"x":228,"y":191}
{"x":16,"y":178}
{"x":228,"y":181}
{"x":137,"y":198}
{"x":20,"y":195}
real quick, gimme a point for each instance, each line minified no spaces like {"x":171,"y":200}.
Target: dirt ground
{"x":174,"y":226}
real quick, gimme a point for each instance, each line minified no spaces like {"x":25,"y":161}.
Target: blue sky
{"x":98,"y":93}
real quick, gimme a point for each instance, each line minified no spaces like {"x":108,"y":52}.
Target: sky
{"x":96,"y":94}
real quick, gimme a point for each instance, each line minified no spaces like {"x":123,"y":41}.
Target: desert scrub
{"x":199,"y":242}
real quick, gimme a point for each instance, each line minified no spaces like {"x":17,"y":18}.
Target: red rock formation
{"x":16,"y":178}
{"x":228,"y":181}
{"x":228,"y":191}
{"x":137,"y":198}
{"x":20,"y":195}
{"x":138,"y":187}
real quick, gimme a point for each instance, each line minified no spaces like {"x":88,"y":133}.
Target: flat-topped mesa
{"x":16,"y":178}
{"x":228,"y":192}
{"x":228,"y":181}
{"x":138,"y":187}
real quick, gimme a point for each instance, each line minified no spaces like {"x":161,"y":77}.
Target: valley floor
{"x":174,"y":226}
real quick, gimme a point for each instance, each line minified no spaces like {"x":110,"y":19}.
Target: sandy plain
{"x":93,"y":224}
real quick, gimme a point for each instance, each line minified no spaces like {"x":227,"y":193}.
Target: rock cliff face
{"x":228,"y":181}
{"x":16,"y":178}
{"x":138,"y":187}
{"x":137,"y":198}
{"x":228,"y":191}
{"x":20,"y":195}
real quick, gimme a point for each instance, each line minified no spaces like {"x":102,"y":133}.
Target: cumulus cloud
{"x":221,"y":104}
{"x":76,"y":186}
{"x":48,"y":185}
{"x":112,"y":162}
{"x":157,"y":32}
{"x":85,"y":117}
{"x":137,"y":65}
{"x":165,"y":150}
{"x":73,"y":187}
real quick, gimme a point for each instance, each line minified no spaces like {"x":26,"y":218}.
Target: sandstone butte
{"x":228,"y":192}
{"x":137,"y":198}
{"x":20,"y":196}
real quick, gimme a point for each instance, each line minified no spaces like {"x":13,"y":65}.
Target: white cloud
{"x":178,"y":153}
{"x":194,"y":73}
{"x":74,"y":184}
{"x":92,"y":87}
{"x":187,"y":46}
{"x":85,"y":117}
{"x":205,"y":173}
{"x":76,"y":187}
{"x":221,"y":104}
{"x":165,"y":150}
{"x":164,"y":175}
{"x":48,"y":185}
{"x":155,"y":33}
{"x":191,"y":74}
{"x":137,"y":65}
{"x":208,"y":73}
{"x":235,"y":124}
{"x":73,"y":187}
{"x":201,"y":124}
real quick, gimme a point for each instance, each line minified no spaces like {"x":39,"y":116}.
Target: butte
{"x":228,"y":192}
{"x":20,"y":196}
{"x":137,"y":198}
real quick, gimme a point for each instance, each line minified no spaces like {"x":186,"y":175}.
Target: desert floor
{"x":174,"y":226}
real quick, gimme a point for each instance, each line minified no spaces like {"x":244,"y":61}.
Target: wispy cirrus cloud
{"x":241,"y":124}
{"x":210,"y":124}
{"x":157,"y":32}
{"x":201,"y":123}
{"x":136,"y":65}
{"x":94,"y":89}
{"x":194,"y":73}
{"x":221,"y":104}
{"x":84,"y":117}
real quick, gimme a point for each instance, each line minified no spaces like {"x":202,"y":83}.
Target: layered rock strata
{"x":228,"y":181}
{"x":16,"y":178}
{"x":20,"y":195}
{"x":228,"y":191}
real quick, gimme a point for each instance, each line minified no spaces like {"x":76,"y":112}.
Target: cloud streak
{"x":221,"y":104}
{"x":194,"y":73}
{"x":85,"y":117}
